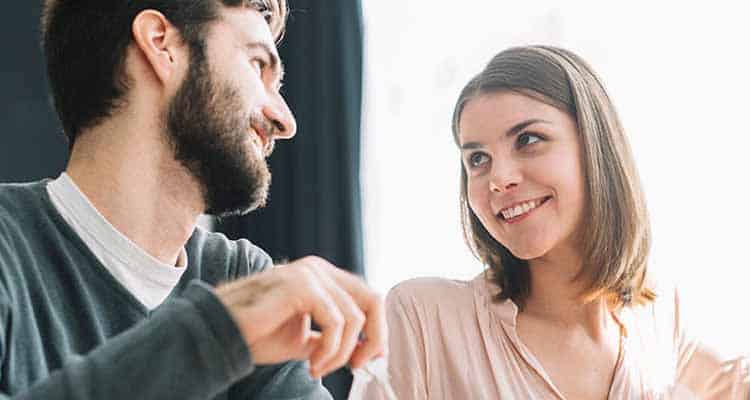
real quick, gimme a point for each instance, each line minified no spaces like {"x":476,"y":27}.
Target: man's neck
{"x":129,"y":174}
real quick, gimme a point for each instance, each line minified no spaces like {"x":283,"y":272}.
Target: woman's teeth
{"x":523,"y":208}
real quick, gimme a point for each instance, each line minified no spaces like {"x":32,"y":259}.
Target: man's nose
{"x":279,"y":114}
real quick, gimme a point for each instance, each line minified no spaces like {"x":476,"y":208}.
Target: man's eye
{"x":477,"y":159}
{"x":526,"y":139}
{"x":261,"y":64}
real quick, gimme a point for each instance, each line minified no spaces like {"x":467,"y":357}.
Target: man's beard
{"x":209,"y":132}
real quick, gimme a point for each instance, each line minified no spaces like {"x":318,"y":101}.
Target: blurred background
{"x":679,"y":75}
{"x":371,"y":180}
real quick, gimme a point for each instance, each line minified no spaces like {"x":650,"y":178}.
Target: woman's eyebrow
{"x":514,"y":130}
{"x":523,"y":125}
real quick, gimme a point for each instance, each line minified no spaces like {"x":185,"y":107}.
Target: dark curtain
{"x":32,"y":145}
{"x":314,"y":204}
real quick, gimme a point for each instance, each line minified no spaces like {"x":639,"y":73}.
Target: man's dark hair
{"x":85,"y":44}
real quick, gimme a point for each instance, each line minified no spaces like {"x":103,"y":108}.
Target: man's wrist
{"x":223,"y":327}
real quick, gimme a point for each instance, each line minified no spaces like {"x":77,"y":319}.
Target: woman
{"x":551,"y":203}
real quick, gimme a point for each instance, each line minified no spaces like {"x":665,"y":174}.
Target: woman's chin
{"x":528,"y":253}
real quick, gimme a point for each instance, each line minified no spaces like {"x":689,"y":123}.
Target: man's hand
{"x":274,"y":310}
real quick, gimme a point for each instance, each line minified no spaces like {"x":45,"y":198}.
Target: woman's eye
{"x":526,"y":139}
{"x":477,"y":159}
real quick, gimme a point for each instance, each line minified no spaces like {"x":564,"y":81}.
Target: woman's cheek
{"x":479,"y":200}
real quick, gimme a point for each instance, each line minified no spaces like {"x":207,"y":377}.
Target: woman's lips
{"x":521,"y":210}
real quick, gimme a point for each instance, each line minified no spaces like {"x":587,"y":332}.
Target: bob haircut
{"x":616,"y":237}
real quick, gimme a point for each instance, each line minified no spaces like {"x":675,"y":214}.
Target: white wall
{"x":679,"y":75}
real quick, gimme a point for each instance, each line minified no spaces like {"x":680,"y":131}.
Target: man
{"x":107,"y":288}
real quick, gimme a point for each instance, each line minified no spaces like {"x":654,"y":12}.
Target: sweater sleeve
{"x":190,"y":349}
{"x":286,"y":381}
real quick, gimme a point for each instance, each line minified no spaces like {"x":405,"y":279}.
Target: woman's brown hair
{"x":616,"y":233}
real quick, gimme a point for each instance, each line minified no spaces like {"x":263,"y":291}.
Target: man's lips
{"x":262,"y":136}
{"x":262,"y":141}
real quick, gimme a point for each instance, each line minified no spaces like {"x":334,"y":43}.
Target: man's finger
{"x":354,"y":321}
{"x":375,"y":340}
{"x":325,"y":312}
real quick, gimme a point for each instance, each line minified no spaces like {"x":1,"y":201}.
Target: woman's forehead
{"x":502,"y":111}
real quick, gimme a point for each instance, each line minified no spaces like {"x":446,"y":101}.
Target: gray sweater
{"x":71,"y":331}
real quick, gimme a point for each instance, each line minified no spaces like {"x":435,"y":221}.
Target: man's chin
{"x":227,"y":204}
{"x":237,"y":186}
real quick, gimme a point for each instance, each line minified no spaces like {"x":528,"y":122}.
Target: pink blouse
{"x":449,"y":340}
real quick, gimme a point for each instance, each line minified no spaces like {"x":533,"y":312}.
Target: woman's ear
{"x":160,"y":43}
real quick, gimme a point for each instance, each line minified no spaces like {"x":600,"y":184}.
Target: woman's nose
{"x":505,"y":177}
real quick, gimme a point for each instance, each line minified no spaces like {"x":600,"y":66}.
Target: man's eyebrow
{"x":511,"y":132}
{"x":275,"y":62}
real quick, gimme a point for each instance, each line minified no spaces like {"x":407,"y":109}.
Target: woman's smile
{"x":520,"y":210}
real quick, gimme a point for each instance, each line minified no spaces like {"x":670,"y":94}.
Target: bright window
{"x":680,"y":77}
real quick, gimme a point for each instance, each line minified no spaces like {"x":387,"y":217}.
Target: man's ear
{"x":160,"y":43}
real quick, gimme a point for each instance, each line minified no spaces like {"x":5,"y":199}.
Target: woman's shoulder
{"x":430,"y":284}
{"x":665,"y":304}
{"x":430,"y":289}
{"x":656,"y":324}
{"x":433,"y":294}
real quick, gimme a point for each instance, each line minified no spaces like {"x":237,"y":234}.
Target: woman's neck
{"x":556,"y":295}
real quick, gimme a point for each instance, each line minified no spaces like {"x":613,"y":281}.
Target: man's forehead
{"x":263,"y":7}
{"x":247,"y":24}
